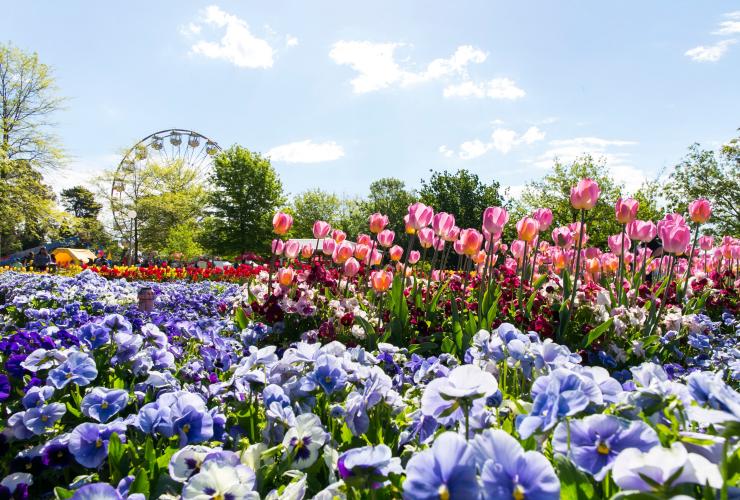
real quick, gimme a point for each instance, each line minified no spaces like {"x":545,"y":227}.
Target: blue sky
{"x":340,"y":93}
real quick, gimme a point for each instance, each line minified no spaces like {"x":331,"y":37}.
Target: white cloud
{"x":377,"y":68}
{"x":709,"y":53}
{"x":502,"y":140}
{"x":473,"y":149}
{"x":291,"y":41}
{"x":446,"y":152}
{"x":81,"y":171}
{"x":237,"y":46}
{"x":731,"y":26}
{"x":306,"y":151}
{"x":617,"y":161}
{"x":497,"y":88}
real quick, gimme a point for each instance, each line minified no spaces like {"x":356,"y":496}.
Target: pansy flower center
{"x":186,"y":428}
{"x":444,"y":492}
{"x":69,"y":375}
{"x":98,"y":443}
{"x":602,"y":448}
{"x":518,"y":493}
{"x":104,"y":405}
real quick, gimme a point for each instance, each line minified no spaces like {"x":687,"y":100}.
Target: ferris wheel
{"x":186,"y":148}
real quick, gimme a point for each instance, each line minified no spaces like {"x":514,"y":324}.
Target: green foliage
{"x":312,"y":205}
{"x":390,"y":197}
{"x":26,"y":206}
{"x":27,"y":99}
{"x":169,"y":208}
{"x":247,"y":192}
{"x":183,"y":238}
{"x":81,"y":202}
{"x":714,"y":176}
{"x":462,"y":194}
{"x":553,"y":192}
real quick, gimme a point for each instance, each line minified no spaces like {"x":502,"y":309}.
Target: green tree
{"x":553,"y":192}
{"x":81,"y":202}
{"x":247,"y":192}
{"x":312,"y":205}
{"x":27,"y":100}
{"x":462,"y":194}
{"x":183,"y":239}
{"x":171,"y":196}
{"x":353,"y":216}
{"x":390,"y":197}
{"x":711,"y":175}
{"x":26,"y":206}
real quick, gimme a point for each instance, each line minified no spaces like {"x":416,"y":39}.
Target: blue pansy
{"x":79,"y":368}
{"x":102,"y":403}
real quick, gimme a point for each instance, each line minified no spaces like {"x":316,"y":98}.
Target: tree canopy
{"x":246,"y":193}
{"x":712,"y":175}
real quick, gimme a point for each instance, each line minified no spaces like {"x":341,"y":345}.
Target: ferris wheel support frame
{"x":209,"y":145}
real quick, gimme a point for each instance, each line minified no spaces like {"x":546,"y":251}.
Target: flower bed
{"x":533,"y":370}
{"x":101,"y":398}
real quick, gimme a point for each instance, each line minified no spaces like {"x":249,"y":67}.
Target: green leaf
{"x":62,"y":494}
{"x":574,"y":484}
{"x":241,"y":319}
{"x":74,"y":411}
{"x":140,"y":484}
{"x":115,"y":454}
{"x":598,"y":331}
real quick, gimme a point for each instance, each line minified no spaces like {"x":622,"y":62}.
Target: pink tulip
{"x":644,"y":231}
{"x":378,"y":222}
{"x":584,"y":195}
{"x":626,"y":210}
{"x":591,"y":252}
{"x":361,"y":251}
{"x":706,"y":243}
{"x":351,"y":267}
{"x":471,"y":241}
{"x":381,"y":280}
{"x":426,"y":237}
{"x":321,"y":229}
{"x":543,"y":216}
{"x":342,"y":252}
{"x":453,"y":235}
{"x":306,"y":251}
{"x":328,"y":245}
{"x":617,"y":244}
{"x":494,"y":219}
{"x":442,"y":223}
{"x":281,"y":223}
{"x":364,"y":239}
{"x":562,"y":237}
{"x":420,"y":215}
{"x":527,"y":229}
{"x":671,"y":219}
{"x":575,"y":229}
{"x":339,"y":235}
{"x":517,"y":249}
{"x":675,"y":237}
{"x":277,"y":247}
{"x":414,"y":257}
{"x":292,"y":249}
{"x":458,"y":247}
{"x":395,"y":253}
{"x":285,"y":276}
{"x":479,"y":257}
{"x":374,"y":258}
{"x":700,"y":210}
{"x":439,"y":244}
{"x":385,"y":238}
{"x":408,"y":228}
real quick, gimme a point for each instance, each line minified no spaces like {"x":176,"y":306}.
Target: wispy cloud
{"x":377,"y":68}
{"x":714,"y":52}
{"x":502,"y":140}
{"x":709,"y":53}
{"x":497,"y":88}
{"x":237,"y":45}
{"x":611,"y":151}
{"x":306,"y":151}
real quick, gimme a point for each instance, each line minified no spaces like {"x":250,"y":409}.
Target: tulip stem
{"x":578,"y":263}
{"x":691,"y":258}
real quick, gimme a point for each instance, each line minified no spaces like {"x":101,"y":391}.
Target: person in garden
{"x":41,"y":260}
